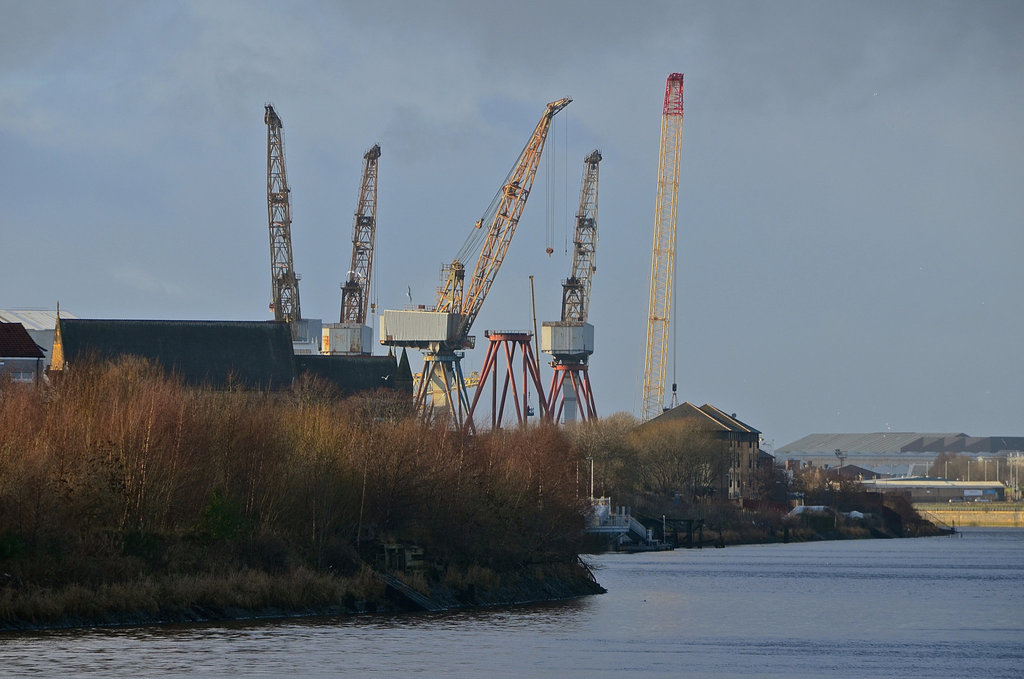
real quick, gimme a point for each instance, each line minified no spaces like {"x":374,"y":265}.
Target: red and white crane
{"x":663,"y":252}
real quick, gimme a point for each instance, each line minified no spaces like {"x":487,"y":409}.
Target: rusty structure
{"x":284,"y":281}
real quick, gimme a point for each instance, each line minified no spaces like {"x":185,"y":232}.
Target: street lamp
{"x":842,"y":458}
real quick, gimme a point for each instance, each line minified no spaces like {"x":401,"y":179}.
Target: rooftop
{"x":15,"y":342}
{"x":33,"y":319}
{"x":709,"y":414}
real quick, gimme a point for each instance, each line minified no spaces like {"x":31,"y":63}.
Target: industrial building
{"x":219,"y":354}
{"x":895,"y":453}
{"x":925,"y":489}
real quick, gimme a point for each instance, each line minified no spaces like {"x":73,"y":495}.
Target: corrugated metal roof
{"x":878,"y":442}
{"x":255,"y":354}
{"x":33,"y":319}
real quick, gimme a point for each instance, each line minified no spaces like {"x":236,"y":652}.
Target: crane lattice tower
{"x":355,"y":292}
{"x":663,"y":254}
{"x":284,"y":280}
{"x":571,"y":340}
{"x":352,"y":335}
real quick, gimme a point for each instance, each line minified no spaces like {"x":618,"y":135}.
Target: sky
{"x":849,"y":212}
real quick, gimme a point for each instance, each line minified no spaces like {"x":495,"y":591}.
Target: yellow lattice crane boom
{"x":663,"y":254}
{"x":501,"y":218}
{"x":442,"y":333}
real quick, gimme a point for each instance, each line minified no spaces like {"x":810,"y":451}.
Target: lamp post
{"x":591,"y":460}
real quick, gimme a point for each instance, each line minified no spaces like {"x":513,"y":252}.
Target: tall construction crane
{"x":443,"y":332}
{"x":284,"y":280}
{"x":352,"y":335}
{"x":663,"y":256}
{"x":571,"y":340}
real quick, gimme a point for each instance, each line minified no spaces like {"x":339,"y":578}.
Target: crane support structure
{"x":571,"y":340}
{"x":443,"y":333}
{"x":663,"y":254}
{"x":355,"y":292}
{"x":284,"y":280}
{"x":505,"y":344}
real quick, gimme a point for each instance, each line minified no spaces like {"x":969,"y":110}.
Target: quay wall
{"x":1002,"y":515}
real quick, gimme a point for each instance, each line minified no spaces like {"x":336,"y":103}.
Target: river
{"x":927,"y":607}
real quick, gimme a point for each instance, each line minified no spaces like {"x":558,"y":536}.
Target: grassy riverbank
{"x":252,"y":594}
{"x":125,"y":495}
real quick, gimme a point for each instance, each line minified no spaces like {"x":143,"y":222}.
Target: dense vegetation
{"x":677,"y":470}
{"x":119,"y":476}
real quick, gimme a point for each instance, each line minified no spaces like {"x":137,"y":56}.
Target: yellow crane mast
{"x":443,"y":332}
{"x":663,"y":254}
{"x":284,"y":280}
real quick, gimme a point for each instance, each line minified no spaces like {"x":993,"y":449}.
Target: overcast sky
{"x":850,"y":207}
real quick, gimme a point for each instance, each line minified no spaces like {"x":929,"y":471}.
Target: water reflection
{"x":927,"y":607}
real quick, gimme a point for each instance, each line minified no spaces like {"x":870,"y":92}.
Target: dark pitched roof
{"x":708,"y":415}
{"x":253,"y":354}
{"x":15,"y":342}
{"x":728,"y":421}
{"x":352,"y":373}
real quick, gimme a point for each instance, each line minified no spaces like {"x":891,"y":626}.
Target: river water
{"x":928,"y":607}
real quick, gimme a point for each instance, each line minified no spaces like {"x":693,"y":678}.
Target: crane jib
{"x":505,"y":218}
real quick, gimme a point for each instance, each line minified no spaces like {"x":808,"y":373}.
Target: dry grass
{"x":122,"y":488}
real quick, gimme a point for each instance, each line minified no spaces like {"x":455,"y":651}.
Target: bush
{"x":119,"y":470}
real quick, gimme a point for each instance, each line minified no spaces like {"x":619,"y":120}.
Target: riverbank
{"x":255,"y":595}
{"x":128,"y":497}
{"x":849,"y":516}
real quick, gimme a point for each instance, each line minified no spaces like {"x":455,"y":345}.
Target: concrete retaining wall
{"x":995,"y":515}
